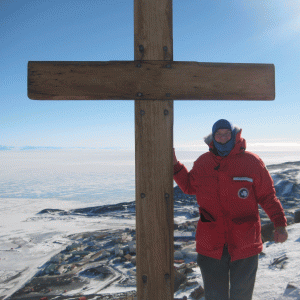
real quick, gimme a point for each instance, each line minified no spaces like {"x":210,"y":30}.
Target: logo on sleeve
{"x":243,"y":193}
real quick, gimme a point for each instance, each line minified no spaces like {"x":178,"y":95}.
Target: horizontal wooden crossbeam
{"x":150,"y":80}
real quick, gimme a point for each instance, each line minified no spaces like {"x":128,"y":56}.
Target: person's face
{"x":222,"y":136}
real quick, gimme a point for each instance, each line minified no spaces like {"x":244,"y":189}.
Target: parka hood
{"x":208,"y":139}
{"x":240,"y":143}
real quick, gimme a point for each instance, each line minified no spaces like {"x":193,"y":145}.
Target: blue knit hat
{"x":224,"y":149}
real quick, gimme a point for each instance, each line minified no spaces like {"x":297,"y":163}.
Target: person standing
{"x":229,"y":183}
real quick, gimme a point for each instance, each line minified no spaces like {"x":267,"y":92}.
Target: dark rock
{"x":180,"y":199}
{"x":297,"y":216}
{"x":177,"y":245}
{"x":262,"y":254}
{"x":197,"y":293}
{"x":290,"y":286}
{"x":52,"y":211}
{"x":74,"y":259}
{"x":101,"y":272}
{"x":191,"y":283}
{"x":290,"y":220}
{"x":98,"y":210}
{"x":80,"y":253}
{"x":179,"y":278}
{"x":188,"y":270}
{"x":291,"y":290}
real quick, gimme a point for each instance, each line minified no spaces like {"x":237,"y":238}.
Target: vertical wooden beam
{"x":153,"y":29}
{"x":153,"y":40}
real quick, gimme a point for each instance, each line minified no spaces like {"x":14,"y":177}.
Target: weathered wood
{"x":153,"y":29}
{"x":152,"y":80}
{"x":154,"y":199}
{"x":153,"y":41}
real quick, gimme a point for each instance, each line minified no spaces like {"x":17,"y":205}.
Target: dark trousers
{"x":216,"y":274}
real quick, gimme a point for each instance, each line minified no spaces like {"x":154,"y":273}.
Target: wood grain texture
{"x":154,"y":80}
{"x":153,"y":40}
{"x":153,"y":29}
{"x":154,"y":199}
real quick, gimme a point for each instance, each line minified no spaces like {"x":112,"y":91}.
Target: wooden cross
{"x":153,"y":80}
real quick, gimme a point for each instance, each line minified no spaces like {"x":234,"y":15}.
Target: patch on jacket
{"x":243,"y":193}
{"x":243,"y":179}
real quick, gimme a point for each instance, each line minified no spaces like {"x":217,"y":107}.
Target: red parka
{"x":228,"y":190}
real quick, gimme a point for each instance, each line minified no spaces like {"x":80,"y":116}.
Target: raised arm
{"x":183,"y":177}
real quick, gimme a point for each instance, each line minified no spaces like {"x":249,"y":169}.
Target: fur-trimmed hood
{"x":208,"y":139}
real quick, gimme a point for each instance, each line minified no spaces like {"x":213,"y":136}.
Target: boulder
{"x":290,"y":220}
{"x":292,"y":291}
{"x":188,"y":270}
{"x":297,"y":216}
{"x":191,"y":283}
{"x":191,"y":255}
{"x":178,"y":255}
{"x":197,"y":293}
{"x":179,"y":278}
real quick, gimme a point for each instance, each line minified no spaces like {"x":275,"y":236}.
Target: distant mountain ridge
{"x":24,"y":148}
{"x":6,"y":147}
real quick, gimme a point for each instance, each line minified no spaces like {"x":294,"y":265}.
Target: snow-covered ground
{"x":36,"y":240}
{"x":272,"y":280}
{"x":27,"y":240}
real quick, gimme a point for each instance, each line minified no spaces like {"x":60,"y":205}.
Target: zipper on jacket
{"x":226,"y":230}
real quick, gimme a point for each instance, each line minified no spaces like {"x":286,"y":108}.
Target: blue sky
{"x":233,"y":31}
